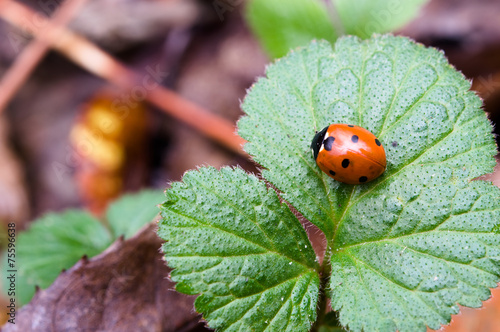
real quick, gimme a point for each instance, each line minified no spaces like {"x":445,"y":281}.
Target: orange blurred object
{"x":107,"y":139}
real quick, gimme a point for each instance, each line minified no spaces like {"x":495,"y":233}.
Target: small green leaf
{"x":130,"y":212}
{"x":53,"y":243}
{"x":407,"y":248}
{"x":281,"y":25}
{"x":284,"y":25}
{"x":365,"y":17}
{"x":231,"y":239}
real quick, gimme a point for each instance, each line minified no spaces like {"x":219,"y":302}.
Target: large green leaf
{"x":439,"y":253}
{"x":53,"y":243}
{"x":282,"y":25}
{"x":232,"y":240}
{"x":411,"y":245}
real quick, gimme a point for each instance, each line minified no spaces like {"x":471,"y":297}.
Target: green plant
{"x":281,"y":26}
{"x":402,"y":251}
{"x":57,"y":241}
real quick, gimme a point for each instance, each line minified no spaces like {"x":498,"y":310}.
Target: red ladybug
{"x":349,"y":153}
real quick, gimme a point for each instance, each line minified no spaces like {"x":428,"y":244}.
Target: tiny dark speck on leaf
{"x":395,"y":143}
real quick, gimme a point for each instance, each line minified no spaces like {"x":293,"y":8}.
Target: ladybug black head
{"x":317,"y":141}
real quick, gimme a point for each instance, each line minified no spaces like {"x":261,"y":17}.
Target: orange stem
{"x":31,"y":55}
{"x":87,"y":55}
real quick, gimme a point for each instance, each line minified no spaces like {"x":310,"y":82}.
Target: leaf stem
{"x":335,"y":18}
{"x":324,"y":274}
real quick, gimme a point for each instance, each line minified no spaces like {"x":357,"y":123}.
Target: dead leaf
{"x":123,"y":289}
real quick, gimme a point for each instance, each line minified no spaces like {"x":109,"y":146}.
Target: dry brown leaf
{"x":123,"y":289}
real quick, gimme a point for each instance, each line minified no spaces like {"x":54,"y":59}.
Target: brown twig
{"x":31,"y":55}
{"x":98,"y":62}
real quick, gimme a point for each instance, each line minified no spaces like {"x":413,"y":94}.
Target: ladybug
{"x":349,"y":153}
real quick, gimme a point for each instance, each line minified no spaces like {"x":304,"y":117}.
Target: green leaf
{"x":281,"y":25}
{"x":232,"y":240}
{"x":411,"y":245}
{"x":365,"y":17}
{"x":130,"y":212}
{"x":284,"y":25}
{"x":53,"y":243}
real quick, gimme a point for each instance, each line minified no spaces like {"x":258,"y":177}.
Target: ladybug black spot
{"x":332,"y":173}
{"x":352,"y":126}
{"x":377,"y":142}
{"x":345,"y":163}
{"x":363,"y":179}
{"x":354,"y":138}
{"x":328,"y":143}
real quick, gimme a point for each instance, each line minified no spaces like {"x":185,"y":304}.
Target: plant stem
{"x":324,"y":274}
{"x":335,"y":17}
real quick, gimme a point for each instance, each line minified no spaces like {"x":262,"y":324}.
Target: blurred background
{"x":102,"y":97}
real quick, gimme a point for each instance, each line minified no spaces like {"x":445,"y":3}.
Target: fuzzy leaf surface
{"x":412,"y":244}
{"x":232,"y":240}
